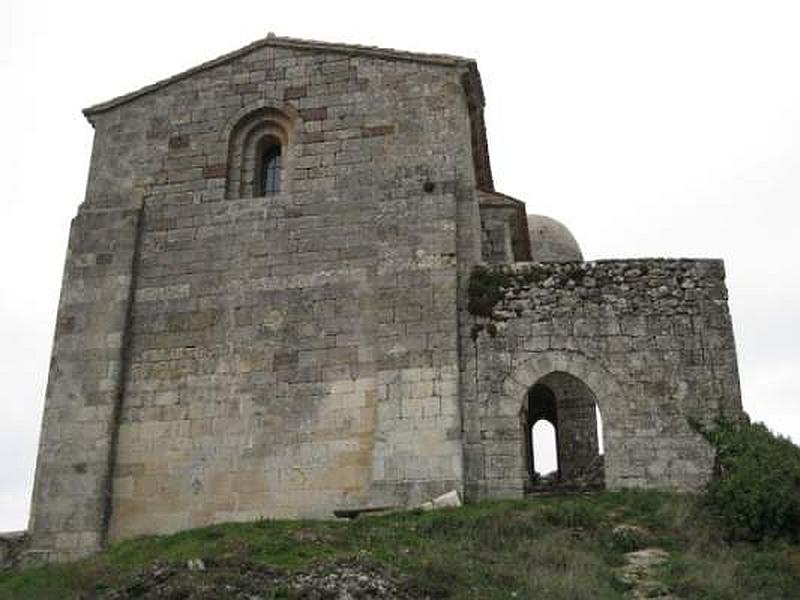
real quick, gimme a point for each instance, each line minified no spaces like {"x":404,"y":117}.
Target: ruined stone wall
{"x":273,"y":356}
{"x":652,"y":340}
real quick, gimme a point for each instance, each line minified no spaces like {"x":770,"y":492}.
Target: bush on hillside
{"x":756,"y":487}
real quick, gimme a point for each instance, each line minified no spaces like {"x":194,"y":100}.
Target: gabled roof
{"x":470,"y":80}
{"x":296,"y":44}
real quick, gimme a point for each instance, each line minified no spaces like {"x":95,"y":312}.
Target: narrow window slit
{"x":269,"y":181}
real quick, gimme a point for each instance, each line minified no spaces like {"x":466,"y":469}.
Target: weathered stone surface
{"x":224,"y":355}
{"x":73,"y":473}
{"x":226,"y":350}
{"x":651,"y":341}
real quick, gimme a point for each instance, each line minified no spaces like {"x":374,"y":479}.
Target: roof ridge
{"x":282,"y":42}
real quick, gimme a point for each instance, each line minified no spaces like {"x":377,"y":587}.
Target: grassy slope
{"x":556,"y":547}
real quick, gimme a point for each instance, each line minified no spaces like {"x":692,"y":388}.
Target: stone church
{"x":292,"y":288}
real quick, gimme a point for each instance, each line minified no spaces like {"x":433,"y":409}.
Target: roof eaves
{"x":284,"y":42}
{"x":492,"y":198}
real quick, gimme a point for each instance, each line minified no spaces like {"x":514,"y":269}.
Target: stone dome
{"x":551,"y":241}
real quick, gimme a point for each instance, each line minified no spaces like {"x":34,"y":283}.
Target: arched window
{"x":269,"y":169}
{"x":259,"y":154}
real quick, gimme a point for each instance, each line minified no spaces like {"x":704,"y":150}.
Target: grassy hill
{"x":610,"y":545}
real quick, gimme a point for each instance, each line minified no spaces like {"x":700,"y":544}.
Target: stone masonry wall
{"x":652,"y":339}
{"x":266,"y":380}
{"x":288,"y":354}
{"x":70,"y":495}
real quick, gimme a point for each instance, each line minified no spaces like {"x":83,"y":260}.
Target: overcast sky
{"x":649,"y":128}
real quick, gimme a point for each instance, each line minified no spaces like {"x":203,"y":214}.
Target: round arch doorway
{"x":568,"y":451}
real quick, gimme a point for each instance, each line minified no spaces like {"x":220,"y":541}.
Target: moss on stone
{"x":485,"y":290}
{"x":487,"y":285}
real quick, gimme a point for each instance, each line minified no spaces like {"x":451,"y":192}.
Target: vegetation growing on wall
{"x":486,"y":290}
{"x":487,"y":285}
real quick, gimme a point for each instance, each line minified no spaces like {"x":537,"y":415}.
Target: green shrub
{"x":756,"y":487}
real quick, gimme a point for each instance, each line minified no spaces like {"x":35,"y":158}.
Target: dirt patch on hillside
{"x":205,"y":580}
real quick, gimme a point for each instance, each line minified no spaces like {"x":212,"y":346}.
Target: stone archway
{"x":583,"y":384}
{"x":569,"y":405}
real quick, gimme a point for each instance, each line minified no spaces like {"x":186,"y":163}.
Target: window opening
{"x":545,"y":454}
{"x":270,"y":172}
{"x":601,"y":450}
